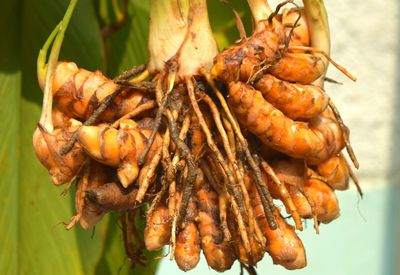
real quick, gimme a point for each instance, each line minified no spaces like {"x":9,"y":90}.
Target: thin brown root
{"x":131,"y":72}
{"x":129,"y":231}
{"x":69,"y":184}
{"x":166,"y":158}
{"x":184,"y":129}
{"x":185,"y":152}
{"x":239,"y":25}
{"x":345,"y":135}
{"x":222,"y":200}
{"x":241,"y":225}
{"x":157,"y":121}
{"x":171,"y":167}
{"x":145,"y":86}
{"x":249,"y":268}
{"x":223,"y":206}
{"x":254,"y":76}
{"x":91,"y":120}
{"x":331,"y":80}
{"x":218,"y":123}
{"x":235,"y":199}
{"x":313,"y":209}
{"x":215,"y":151}
{"x":80,"y":203}
{"x":173,"y":234}
{"x":146,"y":175}
{"x":207,"y":132}
{"x":278,"y":8}
{"x":173,"y":205}
{"x":295,"y":24}
{"x":231,"y":135}
{"x":354,"y":178}
{"x":284,"y":194}
{"x":334,"y":63}
{"x":266,"y":197}
{"x":158,"y":197}
{"x":233,"y":165}
{"x":74,"y":220}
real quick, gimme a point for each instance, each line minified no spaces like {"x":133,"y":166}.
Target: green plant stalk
{"x":317,"y":21}
{"x":46,"y":71}
{"x":119,"y":15}
{"x":180,"y":29}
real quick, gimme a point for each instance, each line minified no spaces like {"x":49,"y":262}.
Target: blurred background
{"x":364,"y":240}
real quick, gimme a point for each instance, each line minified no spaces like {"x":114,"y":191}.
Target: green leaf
{"x":10,"y":78}
{"x":128,"y":46}
{"x":32,"y":209}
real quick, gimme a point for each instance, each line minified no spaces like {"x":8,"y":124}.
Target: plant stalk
{"x":260,"y":9}
{"x":46,"y":71}
{"x":180,"y":31}
{"x":317,"y":21}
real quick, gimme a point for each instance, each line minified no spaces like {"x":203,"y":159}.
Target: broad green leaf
{"x":128,"y":46}
{"x":10,"y":79}
{"x":31,"y":234}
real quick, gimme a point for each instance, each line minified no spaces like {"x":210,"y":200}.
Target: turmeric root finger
{"x":218,"y":252}
{"x":157,"y":232}
{"x":291,"y":173}
{"x":324,"y":200}
{"x":244,"y":59}
{"x":112,"y":147}
{"x":300,"y":202}
{"x":296,"y":101}
{"x":282,"y":193}
{"x":117,"y":148}
{"x":335,"y":171}
{"x":90,"y":214}
{"x":316,"y":141}
{"x":256,"y":250}
{"x":78,"y":92}
{"x":222,"y":199}
{"x":187,"y":249}
{"x":112,"y":197}
{"x":60,"y":120}
{"x":298,"y":67}
{"x":283,"y":245}
{"x":62,"y":168}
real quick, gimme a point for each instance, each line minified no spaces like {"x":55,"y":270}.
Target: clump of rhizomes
{"x":208,"y":165}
